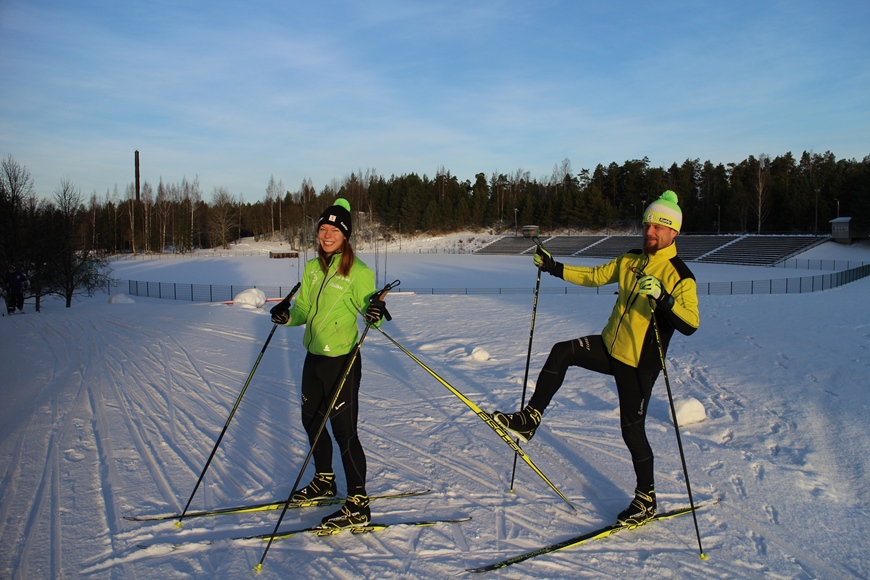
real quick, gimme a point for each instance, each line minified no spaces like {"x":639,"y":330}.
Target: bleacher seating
{"x":611,"y":247}
{"x":749,"y":250}
{"x":760,"y":250}
{"x":508,"y":245}
{"x":570,"y":245}
{"x":693,"y":247}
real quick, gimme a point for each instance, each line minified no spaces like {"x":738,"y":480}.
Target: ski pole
{"x":485,"y":417}
{"x":354,"y":354}
{"x":528,"y":360}
{"x":285,"y":302}
{"x":676,"y":425}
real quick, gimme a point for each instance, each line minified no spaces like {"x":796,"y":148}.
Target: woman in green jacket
{"x":336,"y":287}
{"x":626,"y":348}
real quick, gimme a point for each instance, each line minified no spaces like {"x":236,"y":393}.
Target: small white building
{"x":844,"y":230}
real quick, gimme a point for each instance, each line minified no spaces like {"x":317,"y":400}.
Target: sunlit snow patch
{"x":689,"y":410}
{"x":251,"y":298}
{"x":479,"y":354}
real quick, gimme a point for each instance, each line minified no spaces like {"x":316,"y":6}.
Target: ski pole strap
{"x":386,"y":289}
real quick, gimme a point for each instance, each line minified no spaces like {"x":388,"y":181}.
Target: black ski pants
{"x":633,"y":386}
{"x":320,"y":377}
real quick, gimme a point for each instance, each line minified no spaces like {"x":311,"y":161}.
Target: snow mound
{"x":250,"y":298}
{"x":479,"y":354}
{"x":689,"y":411}
{"x":121,"y":299}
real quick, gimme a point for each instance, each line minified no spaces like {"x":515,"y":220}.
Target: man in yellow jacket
{"x":626,"y":348}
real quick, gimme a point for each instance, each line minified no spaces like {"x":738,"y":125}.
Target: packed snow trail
{"x":111,"y":410}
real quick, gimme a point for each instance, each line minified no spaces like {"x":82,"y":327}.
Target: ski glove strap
{"x":544,"y":260}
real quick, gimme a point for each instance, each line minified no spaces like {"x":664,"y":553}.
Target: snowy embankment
{"x":112,"y":409}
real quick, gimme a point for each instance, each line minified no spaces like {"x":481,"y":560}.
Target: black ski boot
{"x":522,"y":424}
{"x":354,"y":513}
{"x":641,"y":510}
{"x":322,"y":486}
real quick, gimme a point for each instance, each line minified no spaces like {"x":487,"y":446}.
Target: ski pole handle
{"x":281,"y":310}
{"x":286,"y":302}
{"x":386,"y":289}
{"x":376,"y":301}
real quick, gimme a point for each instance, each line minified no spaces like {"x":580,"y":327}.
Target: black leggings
{"x":320,"y":377}
{"x":633,"y":386}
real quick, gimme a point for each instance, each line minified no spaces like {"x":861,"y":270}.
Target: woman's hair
{"x":347,"y":258}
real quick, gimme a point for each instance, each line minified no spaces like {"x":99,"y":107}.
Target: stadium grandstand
{"x":746,"y":250}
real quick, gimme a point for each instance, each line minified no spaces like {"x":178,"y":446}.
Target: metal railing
{"x":226,"y":293}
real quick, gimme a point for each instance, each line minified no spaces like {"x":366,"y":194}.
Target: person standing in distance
{"x":16,"y":285}
{"x":336,"y":287}
{"x":626,"y":348}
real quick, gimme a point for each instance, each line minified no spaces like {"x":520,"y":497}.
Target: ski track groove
{"x":135,"y":427}
{"x":46,"y":494}
{"x":828,"y":570}
{"x":12,"y":472}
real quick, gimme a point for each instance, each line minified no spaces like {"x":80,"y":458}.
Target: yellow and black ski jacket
{"x":629,"y":334}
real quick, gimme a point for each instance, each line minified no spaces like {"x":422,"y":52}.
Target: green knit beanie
{"x":665,"y":211}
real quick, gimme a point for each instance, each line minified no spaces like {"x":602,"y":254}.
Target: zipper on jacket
{"x":629,"y":304}
{"x":326,"y":279}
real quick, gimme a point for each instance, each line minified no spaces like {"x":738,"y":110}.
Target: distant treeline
{"x":757,"y":195}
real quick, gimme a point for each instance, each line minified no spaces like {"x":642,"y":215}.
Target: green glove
{"x":544,"y":260}
{"x":652,"y":287}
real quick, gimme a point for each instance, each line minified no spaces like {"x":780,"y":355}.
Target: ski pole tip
{"x":704,"y":556}
{"x":178,"y":524}
{"x":258,"y":568}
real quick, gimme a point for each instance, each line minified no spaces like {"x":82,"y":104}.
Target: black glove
{"x":280,"y":313}
{"x":377,"y":309}
{"x":544,"y":260}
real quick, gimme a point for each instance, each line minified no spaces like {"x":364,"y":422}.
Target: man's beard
{"x":650,"y":248}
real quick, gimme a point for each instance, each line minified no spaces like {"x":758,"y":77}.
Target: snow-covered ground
{"x":111,"y":408}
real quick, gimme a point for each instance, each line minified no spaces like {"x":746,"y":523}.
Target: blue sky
{"x":233,"y":93}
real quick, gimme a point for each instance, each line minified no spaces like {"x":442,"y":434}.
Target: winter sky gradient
{"x":233,"y":93}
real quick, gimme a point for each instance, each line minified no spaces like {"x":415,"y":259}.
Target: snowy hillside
{"x":111,"y":409}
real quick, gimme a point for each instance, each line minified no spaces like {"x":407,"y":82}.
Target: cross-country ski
{"x":599,"y":533}
{"x":269,"y":506}
{"x":317,"y":530}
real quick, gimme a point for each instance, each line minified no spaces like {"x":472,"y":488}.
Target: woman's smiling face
{"x":330,"y":237}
